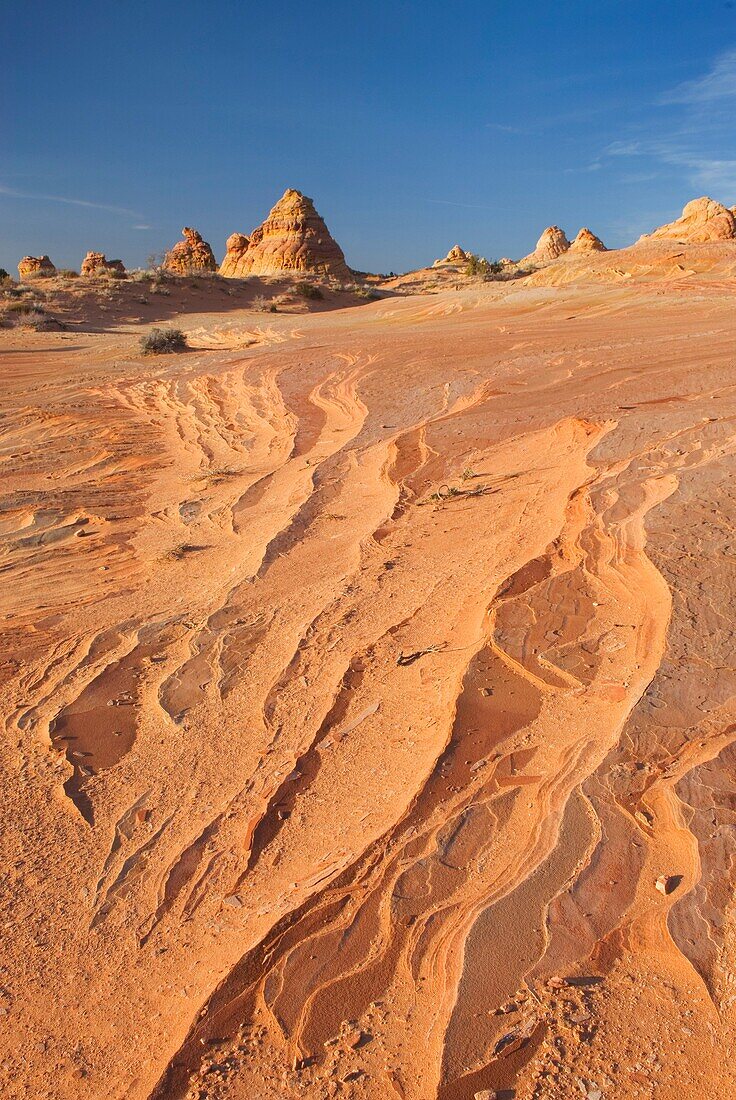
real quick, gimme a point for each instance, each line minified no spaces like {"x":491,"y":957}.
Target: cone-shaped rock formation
{"x":586,"y":241}
{"x":293,"y":238}
{"x":550,"y":245}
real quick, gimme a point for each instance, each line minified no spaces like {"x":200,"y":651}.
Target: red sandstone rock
{"x":95,"y":263}
{"x":35,"y":265}
{"x":191,"y":255}
{"x":293,"y":238}
{"x":237,"y":245}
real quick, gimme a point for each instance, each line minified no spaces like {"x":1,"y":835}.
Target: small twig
{"x":410,"y":658}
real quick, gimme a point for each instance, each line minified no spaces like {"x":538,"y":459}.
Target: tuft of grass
{"x":67,"y":273}
{"x":163,"y":341}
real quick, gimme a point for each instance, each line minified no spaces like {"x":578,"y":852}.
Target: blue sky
{"x":412,"y":124}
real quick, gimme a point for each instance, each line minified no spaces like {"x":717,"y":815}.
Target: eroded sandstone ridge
{"x":191,"y":254}
{"x":702,"y":220}
{"x":35,"y":265}
{"x":95,"y":263}
{"x":293,"y":237}
{"x":586,"y":241}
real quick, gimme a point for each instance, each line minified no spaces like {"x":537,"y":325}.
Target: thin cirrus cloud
{"x":703,"y":171}
{"x":695,"y":145}
{"x":12,"y":193}
{"x":718,"y":84}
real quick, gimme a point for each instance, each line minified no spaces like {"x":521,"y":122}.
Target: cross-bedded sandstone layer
{"x":369,"y":694}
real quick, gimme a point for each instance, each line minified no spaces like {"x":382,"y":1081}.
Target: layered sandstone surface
{"x":367,"y":697}
{"x":191,"y":255}
{"x":293,"y":238}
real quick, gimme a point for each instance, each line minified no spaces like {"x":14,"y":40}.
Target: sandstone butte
{"x":95,"y":262}
{"x":702,"y":220}
{"x":293,"y":238}
{"x":456,"y":255}
{"x":35,"y":265}
{"x":550,"y":245}
{"x":193,"y":254}
{"x":586,"y":241}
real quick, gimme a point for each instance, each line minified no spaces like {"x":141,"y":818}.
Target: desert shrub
{"x":261,"y":303}
{"x":161,"y":341}
{"x":32,"y":318}
{"x":367,"y":293}
{"x":111,"y":273}
{"x":479,"y":265}
{"x":67,"y":273}
{"x":309,"y":290}
{"x":3,"y":275}
{"x":25,"y":307}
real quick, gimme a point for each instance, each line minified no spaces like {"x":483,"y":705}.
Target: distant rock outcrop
{"x":550,"y":245}
{"x":237,"y":245}
{"x":191,"y":255}
{"x":456,"y":255}
{"x":35,"y":265}
{"x":586,"y":241}
{"x":702,"y":220}
{"x":94,"y":263}
{"x":293,"y":238}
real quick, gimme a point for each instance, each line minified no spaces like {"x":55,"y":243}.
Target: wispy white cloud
{"x":503,"y":129}
{"x":717,"y":84}
{"x":11,"y":192}
{"x":708,"y":173}
{"x":466,"y":205}
{"x":143,"y":227}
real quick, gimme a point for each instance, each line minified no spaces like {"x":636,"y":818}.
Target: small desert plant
{"x":479,"y":265}
{"x":67,"y":273}
{"x":3,"y":275}
{"x":261,"y":303}
{"x":309,"y":290}
{"x":25,"y":307}
{"x":160,"y":341}
{"x":32,"y":318}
